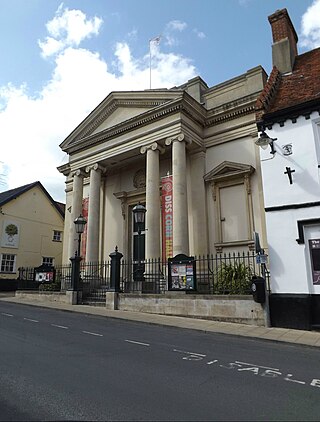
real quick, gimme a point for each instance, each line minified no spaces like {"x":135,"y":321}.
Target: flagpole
{"x":150,"y":60}
{"x":156,"y":40}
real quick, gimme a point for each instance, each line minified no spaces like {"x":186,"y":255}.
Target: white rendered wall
{"x":305,"y":187}
{"x":287,"y":258}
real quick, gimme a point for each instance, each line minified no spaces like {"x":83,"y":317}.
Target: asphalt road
{"x":59,"y":365}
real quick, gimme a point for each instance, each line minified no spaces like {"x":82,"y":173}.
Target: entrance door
{"x":312,"y":242}
{"x":138,"y":251}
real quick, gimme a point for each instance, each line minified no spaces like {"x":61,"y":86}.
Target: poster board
{"x":314,"y":248}
{"x":44,"y":274}
{"x":182,"y":273}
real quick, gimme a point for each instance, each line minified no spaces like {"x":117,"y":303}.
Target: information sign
{"x":182,"y":273}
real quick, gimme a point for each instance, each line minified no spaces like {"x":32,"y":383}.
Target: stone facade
{"x":203,"y":137}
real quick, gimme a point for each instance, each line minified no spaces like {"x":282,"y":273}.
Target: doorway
{"x":312,"y":254}
{"x":138,"y":250}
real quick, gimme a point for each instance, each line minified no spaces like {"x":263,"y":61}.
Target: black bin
{"x":258,"y":289}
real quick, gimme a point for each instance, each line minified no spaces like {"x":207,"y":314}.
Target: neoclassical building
{"x":187,"y":154}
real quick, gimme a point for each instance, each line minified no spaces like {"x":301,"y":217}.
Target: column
{"x":180,"y":202}
{"x":152,"y":200}
{"x":93,"y":224}
{"x":76,"y":209}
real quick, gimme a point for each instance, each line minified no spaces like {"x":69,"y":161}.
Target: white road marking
{"x":31,"y":320}
{"x":288,"y":379}
{"x":267,"y":370}
{"x":60,"y":326}
{"x":93,"y":334}
{"x":189,"y":353}
{"x":3,"y":313}
{"x":256,"y":366}
{"x":315,"y":383}
{"x":138,"y":342}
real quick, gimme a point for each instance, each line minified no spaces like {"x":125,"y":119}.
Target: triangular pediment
{"x":228,"y":170}
{"x":117,"y":109}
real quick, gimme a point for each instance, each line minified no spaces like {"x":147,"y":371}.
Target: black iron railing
{"x":94,"y":281}
{"x":216,"y":274}
{"x":226,"y":273}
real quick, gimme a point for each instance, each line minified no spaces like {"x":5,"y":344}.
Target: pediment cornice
{"x":228,"y":170}
{"x":137,"y":99}
{"x":183,"y":104}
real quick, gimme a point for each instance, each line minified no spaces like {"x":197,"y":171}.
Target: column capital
{"x":79,"y":172}
{"x":181,"y":137}
{"x":154,"y":147}
{"x":96,"y":167}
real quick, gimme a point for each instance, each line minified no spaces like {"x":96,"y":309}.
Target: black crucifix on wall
{"x":289,"y":173}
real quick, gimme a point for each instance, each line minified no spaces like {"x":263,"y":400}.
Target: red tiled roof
{"x":267,"y":96}
{"x":301,"y":86}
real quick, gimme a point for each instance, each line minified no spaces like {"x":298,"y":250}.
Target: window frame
{"x":47,"y":263}
{"x":55,"y":238}
{"x":14,"y":262}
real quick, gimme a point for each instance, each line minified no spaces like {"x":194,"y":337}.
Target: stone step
{"x":93,"y":303}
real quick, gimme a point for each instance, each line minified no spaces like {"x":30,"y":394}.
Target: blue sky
{"x":59,"y":60}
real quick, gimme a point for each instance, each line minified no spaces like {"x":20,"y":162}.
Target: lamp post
{"x":79,"y":223}
{"x":139,"y":212}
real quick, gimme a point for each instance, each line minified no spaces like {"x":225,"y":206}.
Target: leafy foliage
{"x":233,"y":278}
{"x":50,"y":287}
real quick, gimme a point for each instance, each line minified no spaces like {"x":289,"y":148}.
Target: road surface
{"x":59,"y":365}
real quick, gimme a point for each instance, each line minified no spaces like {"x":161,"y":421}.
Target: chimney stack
{"x":284,"y":47}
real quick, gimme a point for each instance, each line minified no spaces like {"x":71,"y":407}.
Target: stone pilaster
{"x":93,"y":224}
{"x":152,"y":200}
{"x":198,"y":204}
{"x":76,"y":209}
{"x":180,"y":201}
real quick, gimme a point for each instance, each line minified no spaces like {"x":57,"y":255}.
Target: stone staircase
{"x":95,"y":297}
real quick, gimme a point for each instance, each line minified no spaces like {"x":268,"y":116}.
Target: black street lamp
{"x":80,"y":223}
{"x":139,"y":212}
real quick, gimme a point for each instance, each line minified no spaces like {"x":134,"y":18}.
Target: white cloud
{"x":68,"y":28}
{"x":32,"y":127}
{"x":176,"y":25}
{"x":50,"y":46}
{"x":199,"y":34}
{"x":172,"y":27}
{"x":133,"y":34}
{"x":310,"y":26}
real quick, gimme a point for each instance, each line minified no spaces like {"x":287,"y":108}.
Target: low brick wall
{"x":240,"y":309}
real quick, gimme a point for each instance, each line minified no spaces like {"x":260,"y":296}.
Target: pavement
{"x":286,"y":335}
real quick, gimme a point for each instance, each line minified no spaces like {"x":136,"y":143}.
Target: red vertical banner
{"x":167,"y":217}
{"x":85,"y":206}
